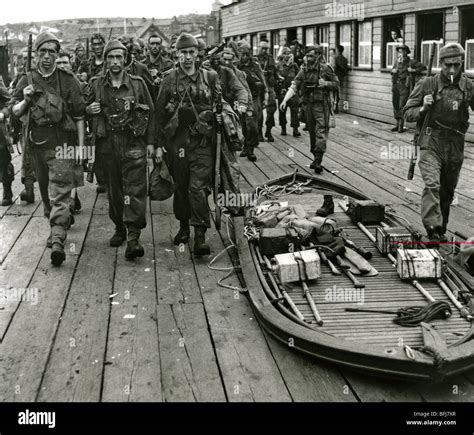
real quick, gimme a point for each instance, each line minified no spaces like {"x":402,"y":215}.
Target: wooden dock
{"x":160,"y":329}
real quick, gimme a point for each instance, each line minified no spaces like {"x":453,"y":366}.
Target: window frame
{"x":436,"y":63}
{"x":471,"y":43}
{"x":364,"y":43}
{"x":347,"y":45}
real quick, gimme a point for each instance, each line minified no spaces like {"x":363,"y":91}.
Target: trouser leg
{"x":271,"y":109}
{"x":293,"y":104}
{"x":41,"y":170}
{"x":113,"y":171}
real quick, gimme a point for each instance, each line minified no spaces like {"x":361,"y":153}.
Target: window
{"x":392,"y":37}
{"x":470,"y":55}
{"x":345,"y":39}
{"x":430,"y":28}
{"x":427,"y":49}
{"x":364,"y":52}
{"x":467,"y":37}
{"x":323,"y":39}
{"x":275,"y":42}
{"x":253,"y":44}
{"x":309,"y":36}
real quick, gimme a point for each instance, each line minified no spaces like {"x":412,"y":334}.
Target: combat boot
{"x":7,"y":193}
{"x":396,"y":127}
{"x":182,"y":237}
{"x":119,"y":237}
{"x":401,"y":125}
{"x":244,"y":152}
{"x":327,"y":208}
{"x":250,"y":155}
{"x":296,"y":133}
{"x":134,"y":250}
{"x":283,"y":130}
{"x":77,"y":203}
{"x":28,"y":195}
{"x":200,"y":245}
{"x":268,"y":135}
{"x":433,"y":237}
{"x":57,"y":254}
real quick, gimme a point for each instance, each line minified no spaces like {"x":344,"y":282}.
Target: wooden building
{"x":364,"y":28}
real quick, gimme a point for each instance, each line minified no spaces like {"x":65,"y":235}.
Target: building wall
{"x":367,"y":91}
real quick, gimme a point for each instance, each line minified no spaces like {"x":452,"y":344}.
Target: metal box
{"x":298,"y":266}
{"x":366,"y":211}
{"x":389,"y":240}
{"x":419,"y":263}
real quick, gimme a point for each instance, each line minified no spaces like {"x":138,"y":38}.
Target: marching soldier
{"x":134,"y":67}
{"x":52,"y":100}
{"x":447,"y":96}
{"x":95,"y":64}
{"x":402,"y":81}
{"x":287,"y":71}
{"x":156,"y":63}
{"x":269,"y":69}
{"x":186,"y":125}
{"x":248,"y":119}
{"x":80,"y":60}
{"x":314,"y":81}
{"x":255,"y":80}
{"x":124,"y":133}
{"x":6,"y":167}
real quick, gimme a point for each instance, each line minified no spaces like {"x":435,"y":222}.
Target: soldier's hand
{"x":28,"y":93}
{"x":242,"y":109}
{"x":427,"y":101}
{"x":283,"y":106}
{"x":219,"y":118}
{"x":93,"y":108}
{"x":157,"y":81}
{"x":410,"y":69}
{"x":2,"y":117}
{"x":150,"y":150}
{"x":322,"y":83}
{"x":159,"y":155}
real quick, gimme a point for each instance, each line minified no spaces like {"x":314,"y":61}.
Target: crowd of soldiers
{"x":131,"y":101}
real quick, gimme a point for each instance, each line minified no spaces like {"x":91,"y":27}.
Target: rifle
{"x":426,"y":120}
{"x":28,"y":72}
{"x":217,"y":49}
{"x":87,"y":49}
{"x":217,"y":167}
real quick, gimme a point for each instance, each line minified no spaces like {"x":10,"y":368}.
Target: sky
{"x":37,"y":10}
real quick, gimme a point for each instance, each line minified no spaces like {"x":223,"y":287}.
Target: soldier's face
{"x":47,"y":55}
{"x":80,"y":53}
{"x":451,"y":66}
{"x":228,"y":60}
{"x":215,"y":62}
{"x":97,"y":47}
{"x":116,"y":61}
{"x":286,"y":57}
{"x":64,"y":63}
{"x":187,"y":57}
{"x":311,"y":58}
{"x":155,"y":46}
{"x":245,"y":56}
{"x":264,"y":50}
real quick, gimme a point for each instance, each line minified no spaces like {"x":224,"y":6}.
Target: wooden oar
{"x":310,"y":300}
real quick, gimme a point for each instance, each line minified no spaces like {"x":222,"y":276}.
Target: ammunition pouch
{"x":205,"y":124}
{"x":140,"y":118}
{"x":48,"y":109}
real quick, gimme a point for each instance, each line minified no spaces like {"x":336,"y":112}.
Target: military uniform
{"x":402,"y":82}
{"x":50,"y":127}
{"x":316,"y":103}
{"x":268,"y":65}
{"x":139,"y":69}
{"x":442,"y":144}
{"x":91,"y":67}
{"x":189,"y":144}
{"x":157,"y":67}
{"x":6,"y":167}
{"x":123,"y":130}
{"x":289,"y":73}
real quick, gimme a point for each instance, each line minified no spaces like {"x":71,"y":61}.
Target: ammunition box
{"x":275,"y":241}
{"x":366,"y":212}
{"x":419,"y":264}
{"x":298,"y":266}
{"x":389,"y":240}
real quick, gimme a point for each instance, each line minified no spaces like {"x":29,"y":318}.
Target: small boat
{"x":349,"y":318}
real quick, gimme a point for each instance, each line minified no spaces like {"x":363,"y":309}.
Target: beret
{"x":264,"y":44}
{"x":186,"y":40}
{"x":45,"y":37}
{"x":113,"y":45}
{"x":316,"y":48}
{"x":404,"y":47}
{"x":243,"y":44}
{"x":451,"y":50}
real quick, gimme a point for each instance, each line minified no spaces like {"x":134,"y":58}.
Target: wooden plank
{"x":75,"y":366}
{"x":24,"y":351}
{"x":132,"y":361}
{"x":10,"y":228}
{"x":248,"y":369}
{"x":176,"y":281}
{"x":188,"y":364}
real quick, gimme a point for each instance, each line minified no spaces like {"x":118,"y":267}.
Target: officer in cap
{"x":447,"y":97}
{"x":405,"y":74}
{"x":186,"y":125}
{"x":52,"y":99}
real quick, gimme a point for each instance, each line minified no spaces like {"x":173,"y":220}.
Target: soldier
{"x":134,"y":67}
{"x":6,"y":167}
{"x":52,"y":100}
{"x":315,"y":80}
{"x":269,"y":69}
{"x":185,"y":120}
{"x":448,"y":96}
{"x":287,"y":71}
{"x":95,"y":64}
{"x":249,"y":118}
{"x":156,"y":63}
{"x":255,"y":80}
{"x":341,"y":69}
{"x":123,"y":111}
{"x":202,"y":46}
{"x":79,"y":58}
{"x":402,"y":83}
